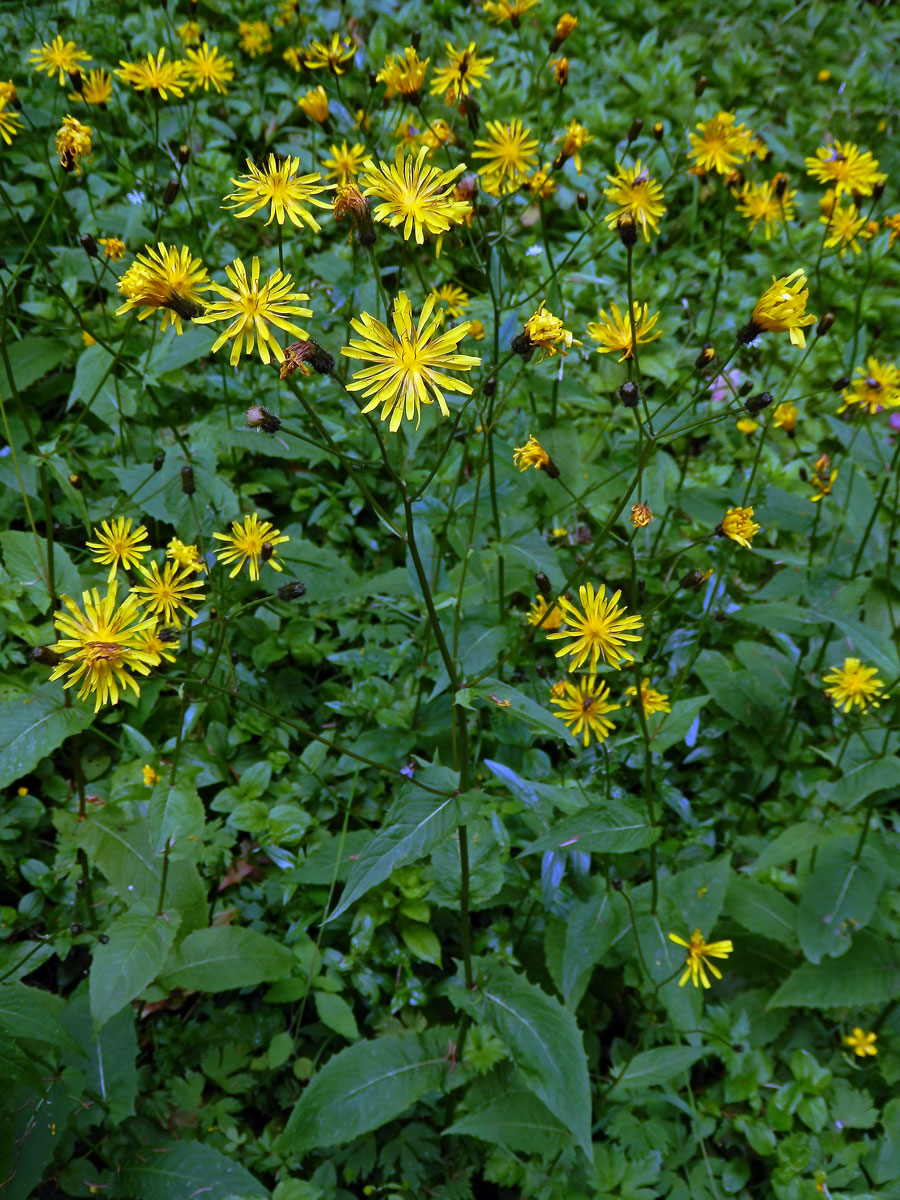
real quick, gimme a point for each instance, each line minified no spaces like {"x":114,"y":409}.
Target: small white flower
{"x":136,"y":197}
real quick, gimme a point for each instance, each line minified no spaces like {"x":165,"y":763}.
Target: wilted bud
{"x":641,"y":515}
{"x":292,"y":591}
{"x":298,"y":354}
{"x":88,"y":245}
{"x":629,"y":394}
{"x":76,"y":481}
{"x":694,"y":580}
{"x":158,"y":461}
{"x":706,"y":355}
{"x":758,"y":402}
{"x":840,"y":384}
{"x":543,"y":583}
{"x":626,"y":229}
{"x":349,"y":199}
{"x":582,"y":201}
{"x":700,"y":85}
{"x":75,"y":79}
{"x":522,"y":345}
{"x":184,"y":154}
{"x":172,"y":189}
{"x":658,"y":131}
{"x":188,"y":486}
{"x":260,"y":418}
{"x":46,"y":656}
{"x":635,"y":131}
{"x":825,"y":323}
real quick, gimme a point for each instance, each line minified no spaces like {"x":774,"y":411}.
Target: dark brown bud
{"x":781,"y":182}
{"x":168,"y":633}
{"x":489,"y":386}
{"x":292,"y":591}
{"x":635,"y":131}
{"x":172,"y":189}
{"x":878,"y":191}
{"x":75,"y":79}
{"x":629,"y":394}
{"x":522,"y":345}
{"x":706,"y":355}
{"x":748,"y":333}
{"x":658,"y":131}
{"x":260,"y":418}
{"x":266,"y":551}
{"x":76,"y":481}
{"x":543,"y":583}
{"x":415,"y":39}
{"x":840,"y":384}
{"x":825,"y":323}
{"x":746,"y":388}
{"x":700,"y":85}
{"x":582,"y":201}
{"x":103,"y":939}
{"x":184,"y":154}
{"x":75,"y":928}
{"x":617,"y":884}
{"x":298,"y":354}
{"x":373,"y":79}
{"x":159,"y":460}
{"x":550,"y":469}
{"x":804,"y":474}
{"x":693,"y":581}
{"x":188,"y":486}
{"x":758,"y":402}
{"x":88,"y":245}
{"x":627,"y":230}
{"x":46,"y":656}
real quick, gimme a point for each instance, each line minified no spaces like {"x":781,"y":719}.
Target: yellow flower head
{"x":167,"y":594}
{"x":254,"y":37}
{"x":113,"y":247}
{"x":845,"y":225}
{"x":409,"y":368}
{"x":154,"y":75}
{"x":641,"y":515}
{"x":861,"y":1043}
{"x":96,"y":87}
{"x":637,"y":195}
{"x":185,"y":556}
{"x":315,"y":104}
{"x":699,"y":952}
{"x":547,"y":333}
{"x":463,"y":73}
{"x":651,"y":701}
{"x":738,"y":525}
{"x":204,"y":67}
{"x":251,"y":308}
{"x":854,"y":684}
{"x":584,"y":708}
{"x":575,"y":138}
{"x":414,"y":194}
{"x":11,"y":123}
{"x":543,"y":614}
{"x":542,"y":183}
{"x":168,"y":279}
{"x":318,"y":56}
{"x":823,"y":477}
{"x":508,"y":10}
{"x":761,"y":205}
{"x":251,"y":541}
{"x":73,"y":143}
{"x":190,"y":33}
{"x":613,"y":333}
{"x":892,"y":223}
{"x":746,"y":426}
{"x":846,"y":168}
{"x":565,"y":27}
{"x":533,"y":454}
{"x":117,"y":545}
{"x":58,"y":58}
{"x":278,"y":185}
{"x":720,"y":145}
{"x":8,"y":92}
{"x":784,"y":416}
{"x":599,"y":630}
{"x":509,"y":153}
{"x":875,"y":386}
{"x":781,"y":308}
{"x":453,"y":297}
{"x":403,"y":75}
{"x":149,"y":776}
{"x":345,"y":162}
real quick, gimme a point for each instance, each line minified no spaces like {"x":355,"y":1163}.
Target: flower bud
{"x":88,"y":245}
{"x":543,"y":583}
{"x":565,"y":26}
{"x":840,"y":384}
{"x":260,"y":418}
{"x":158,"y":461}
{"x":629,"y":394}
{"x":825,"y":323}
{"x":172,"y":189}
{"x":700,"y":86}
{"x":658,"y":131}
{"x":626,"y":229}
{"x":877,"y":191}
{"x":184,"y":154}
{"x":758,"y":402}
{"x":582,"y":201}
{"x":415,"y":39}
{"x":75,"y":79}
{"x":693,"y":581}
{"x":188,"y":486}
{"x":781,"y":182}
{"x":266,"y":551}
{"x":635,"y":131}
{"x":349,"y":199}
{"x":489,"y":386}
{"x":745,"y":388}
{"x":76,"y":481}
{"x":46,"y":656}
{"x":292,"y":591}
{"x":298,"y":354}
{"x":103,"y":939}
{"x":522,"y":345}
{"x":169,"y":634}
{"x":706,"y":355}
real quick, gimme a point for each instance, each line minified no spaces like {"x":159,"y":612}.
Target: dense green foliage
{"x":338,"y":906}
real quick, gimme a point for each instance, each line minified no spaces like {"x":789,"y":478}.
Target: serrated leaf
{"x":137,"y":947}
{"x":763,"y":910}
{"x":33,"y":727}
{"x":655,"y":1067}
{"x":839,"y":897}
{"x":186,"y":1169}
{"x":516,"y":1119}
{"x":869,"y":973}
{"x":224,"y":957}
{"x":611,"y":829}
{"x":336,"y":1013}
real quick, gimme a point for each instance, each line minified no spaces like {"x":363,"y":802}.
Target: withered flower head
{"x":298,"y":354}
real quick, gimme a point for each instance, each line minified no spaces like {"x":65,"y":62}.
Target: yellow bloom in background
{"x":190,"y":33}
{"x":11,"y":123}
{"x":251,"y":309}
{"x":345,"y":162}
{"x":408,"y":369}
{"x":784,"y":416}
{"x":204,"y":67}
{"x":599,"y":631}
{"x":287,"y":12}
{"x":169,"y":593}
{"x":8,"y":92}
{"x":154,"y":75}
{"x":509,"y":154}
{"x":315,"y":104}
{"x":760,"y":204}
{"x":88,"y":338}
{"x":546,"y":332}
{"x":782,"y":309}
{"x":542,"y":183}
{"x":254,"y":37}
{"x":641,"y":515}
{"x":117,"y":545}
{"x":113,"y":247}
{"x":575,"y":138}
{"x":746,"y":426}
{"x":166,"y":278}
{"x":875,"y":386}
{"x":403,"y":75}
{"x":846,"y":168}
{"x":565,"y":27}
{"x":185,"y":556}
{"x":101,"y":645}
{"x":651,"y":700}
{"x":96,"y":87}
{"x":699,"y":952}
{"x":560,"y":69}
{"x":584,"y":709}
{"x":161,"y":641}
{"x":542,"y":614}
{"x":476,"y":331}
{"x":58,"y":58}
{"x":73,"y":143}
{"x":278,"y":185}
{"x":149,"y":776}
{"x":293,"y":56}
{"x":438,"y":133}
{"x":845,"y":226}
{"x":823,"y":477}
{"x":893,"y":224}
{"x":720,"y":144}
{"x":251,"y":541}
{"x":414,"y":194}
{"x":533,"y":454}
{"x":613,"y":333}
{"x":861,"y":1043}
{"x":453,"y":297}
{"x":508,"y":10}
{"x":318,"y":56}
{"x":638,"y":195}
{"x":853,"y":683}
{"x":738,"y":525}
{"x":462,"y":74}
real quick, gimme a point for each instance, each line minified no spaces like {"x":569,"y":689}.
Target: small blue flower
{"x":136,"y":197}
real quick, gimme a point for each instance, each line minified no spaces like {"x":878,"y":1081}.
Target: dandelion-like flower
{"x":101,"y":645}
{"x":508,"y":10}
{"x":96,"y":87}
{"x":533,"y":454}
{"x":455,"y":300}
{"x":345,"y":162}
{"x":699,"y":952}
{"x":546,"y":332}
{"x":560,"y":69}
{"x":720,"y":144}
{"x":149,"y":776}
{"x":251,"y":309}
{"x":254,"y":37}
{"x":651,"y":700}
{"x":547,"y":616}
{"x":168,"y":279}
{"x":315,"y":104}
{"x":154,"y":75}
{"x":637,"y":195}
{"x":565,"y":27}
{"x":575,"y":138}
{"x":641,"y":515}
{"x":160,"y":640}
{"x":462,"y":74}
{"x":408,"y":369}
{"x":584,"y":708}
{"x":861,"y":1043}
{"x":278,"y":185}
{"x":117,"y":546}
{"x":190,"y":33}
{"x":738,"y":525}
{"x":613,"y":333}
{"x":846,"y":168}
{"x":168,"y":593}
{"x":11,"y":123}
{"x":781,"y":309}
{"x":113,"y":248}
{"x":414,"y":194}
{"x":746,"y":426}
{"x":823,"y":477}
{"x":875,"y":386}
{"x":204,"y":67}
{"x":58,"y":58}
{"x":318,"y":56}
{"x":251,"y":541}
{"x":73,"y":143}
{"x":845,"y":225}
{"x":403,"y":75}
{"x":187,"y":556}
{"x":761,"y":204}
{"x":892,"y":223}
{"x":541,"y":183}
{"x":784,"y":416}
{"x":509,"y":154}
{"x":599,"y":630}
{"x":853,"y":683}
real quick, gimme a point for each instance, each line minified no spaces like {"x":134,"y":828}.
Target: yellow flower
{"x":8,"y":92}
{"x":463,"y":72}
{"x":317,"y":56}
{"x":58,"y":58}
{"x":560,"y":68}
{"x":253,"y":541}
{"x":251,"y":308}
{"x":893,"y":224}
{"x":287,"y":12}
{"x":190,"y":33}
{"x":166,"y":594}
{"x":565,"y":26}
{"x":781,"y":309}
{"x":345,"y":161}
{"x":150,"y":777}
{"x":408,"y":370}
{"x":823,"y":76}
{"x":861,"y":1043}
{"x":822,"y":480}
{"x":185,"y":556}
{"x":844,"y":226}
{"x":279,"y":186}
{"x":638,"y":195}
{"x":853,"y":683}
{"x":508,"y":10}
{"x":613,"y":333}
{"x":533,"y":454}
{"x":651,"y":700}
{"x":542,"y":614}
{"x":875,"y":386}
{"x":11,"y":123}
{"x":745,"y":425}
{"x":293,"y":57}
{"x":88,"y":338}
{"x":204,"y":67}
{"x":720,"y":145}
{"x":166,"y":278}
{"x":403,"y":76}
{"x":438,"y":133}
{"x":575,"y":138}
{"x":476,"y":331}
{"x":641,"y":515}
{"x":600,"y":631}
{"x":761,"y":205}
{"x":315,"y":104}
{"x":161,"y":641}
{"x":456,"y":300}
{"x":584,"y":709}
{"x":155,"y":75}
{"x":784,"y":416}
{"x":73,"y":143}
{"x":96,"y":87}
{"x":414,"y":194}
{"x":846,"y":168}
{"x":102,"y":645}
{"x":116,"y":545}
{"x":738,"y":525}
{"x":509,"y":155}
{"x":542,"y":183}
{"x":546,"y":332}
{"x":698,"y":954}
{"x":254,"y":37}
{"x":113,"y":247}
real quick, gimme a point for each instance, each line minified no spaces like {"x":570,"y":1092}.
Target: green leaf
{"x":33,"y":726}
{"x":188,"y":1169}
{"x":593,"y":926}
{"x":30,"y":359}
{"x":612,"y":828}
{"x":224,"y":957}
{"x":363,"y":1087}
{"x":30,"y":1012}
{"x":18,"y":1067}
{"x":668,"y":728}
{"x":25,"y":557}
{"x":510,"y":700}
{"x":107,"y":1058}
{"x":542,"y":1038}
{"x":175,"y":813}
{"x":881,"y":775}
{"x":796,"y":842}
{"x":869,"y":973}
{"x":421,"y":942}
{"x":763,"y":910}
{"x":336,"y":1013}
{"x":516,"y":1119}
{"x":659,"y":1066}
{"x":839,"y":897}
{"x":30,"y":1133}
{"x":138,"y":946}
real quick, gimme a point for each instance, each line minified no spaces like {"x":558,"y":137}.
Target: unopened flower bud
{"x":543,"y":583}
{"x":158,"y":461}
{"x":694,"y":580}
{"x":373,"y":79}
{"x":76,"y":481}
{"x":292,"y":591}
{"x":349,"y":199}
{"x":46,"y":656}
{"x":188,"y":486}
{"x":75,"y":928}
{"x":260,"y":418}
{"x":489,"y":386}
{"x":75,"y":79}
{"x":635,"y":131}
{"x":169,"y":634}
{"x":522,"y":345}
{"x":825,"y":323}
{"x":88,"y":245}
{"x":565,"y":26}
{"x":758,"y":402}
{"x":184,"y":154}
{"x":706,"y":355}
{"x":626,"y":229}
{"x":103,"y":939}
{"x":878,"y":190}
{"x":172,"y":189}
{"x":298,"y":354}
{"x":840,"y":384}
{"x":415,"y":39}
{"x":658,"y":131}
{"x":266,"y":551}
{"x":629,"y":394}
{"x":700,"y":85}
{"x":745,"y":388}
{"x":582,"y":201}
{"x":781,"y":182}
